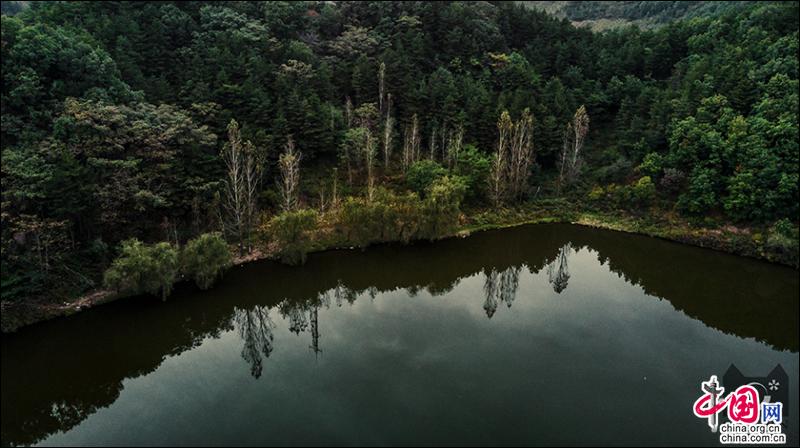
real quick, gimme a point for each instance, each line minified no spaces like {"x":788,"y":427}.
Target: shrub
{"x":205,"y":258}
{"x":442,"y":207}
{"x":783,"y":239}
{"x":421,"y":175}
{"x":637,"y":195}
{"x":142,"y":268}
{"x":392,"y":217}
{"x":643,"y":192}
{"x":597,"y":194}
{"x":651,"y":164}
{"x":361,"y":221}
{"x":474,"y":167}
{"x":388,"y":217}
{"x":290,"y":230}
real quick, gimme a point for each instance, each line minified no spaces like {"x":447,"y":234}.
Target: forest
{"x":600,"y":15}
{"x":148,"y":142}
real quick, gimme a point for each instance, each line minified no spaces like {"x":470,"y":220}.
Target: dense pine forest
{"x":600,"y":15}
{"x":146,"y":142}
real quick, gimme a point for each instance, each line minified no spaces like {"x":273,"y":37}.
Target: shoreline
{"x":728,"y":239}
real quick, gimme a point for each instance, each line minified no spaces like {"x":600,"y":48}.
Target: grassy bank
{"x":754,"y":242}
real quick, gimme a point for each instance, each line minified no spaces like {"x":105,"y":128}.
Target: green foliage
{"x":652,"y":165}
{"x":643,"y":191}
{"x":205,"y":258}
{"x":42,"y":66}
{"x":639,"y":194}
{"x":442,"y":207}
{"x":393,"y":217}
{"x":362,"y":221}
{"x":112,"y":112}
{"x":290,"y":230}
{"x":783,"y":238}
{"x":422,"y":174}
{"x":388,"y":217}
{"x":143,"y":268}
{"x":474,"y":167}
{"x":701,"y":195}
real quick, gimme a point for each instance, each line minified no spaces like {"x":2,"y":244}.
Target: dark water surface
{"x":547,"y":334}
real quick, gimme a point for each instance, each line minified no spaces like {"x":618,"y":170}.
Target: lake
{"x":542,"y":334}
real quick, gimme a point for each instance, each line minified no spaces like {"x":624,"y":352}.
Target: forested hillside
{"x":600,"y":15}
{"x":279,"y":125}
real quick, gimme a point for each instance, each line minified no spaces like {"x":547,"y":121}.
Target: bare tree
{"x":511,"y":165}
{"x":411,"y":144}
{"x":432,"y":143}
{"x":498,"y":176}
{"x":322,"y":203}
{"x":454,"y":146}
{"x":381,"y":85}
{"x":574,"y":136}
{"x":335,"y":189}
{"x":388,"y":132}
{"x":369,"y":160}
{"x":346,"y":153}
{"x":444,"y":137}
{"x":252,"y":177}
{"x":387,"y":141}
{"x":289,"y":185}
{"x":235,"y":202}
{"x":520,"y":155}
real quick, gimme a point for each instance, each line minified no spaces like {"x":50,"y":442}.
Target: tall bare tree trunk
{"x":335,"y":189}
{"x":454,"y":146}
{"x":235,"y":183}
{"x":252,"y":174}
{"x":388,"y":131}
{"x":521,"y":154}
{"x":289,"y":163}
{"x":499,"y":175}
{"x":369,"y":159}
{"x":241,"y":186}
{"x":574,"y":138}
{"x":432,"y":144}
{"x":411,"y":144}
{"x":381,"y":86}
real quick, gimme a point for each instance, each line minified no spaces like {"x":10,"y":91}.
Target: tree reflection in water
{"x":490,"y":290}
{"x":53,"y":380}
{"x":255,"y":329}
{"x":558,"y":269}
{"x":343,"y":293}
{"x":500,"y":288}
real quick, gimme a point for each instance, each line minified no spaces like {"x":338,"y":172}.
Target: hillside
{"x":138,"y":128}
{"x":602,"y":15}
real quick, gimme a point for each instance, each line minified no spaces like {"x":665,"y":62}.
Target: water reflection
{"x":255,"y":329}
{"x":342,"y":293}
{"x":558,"y":269}
{"x":58,"y":374}
{"x":500,"y":288}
